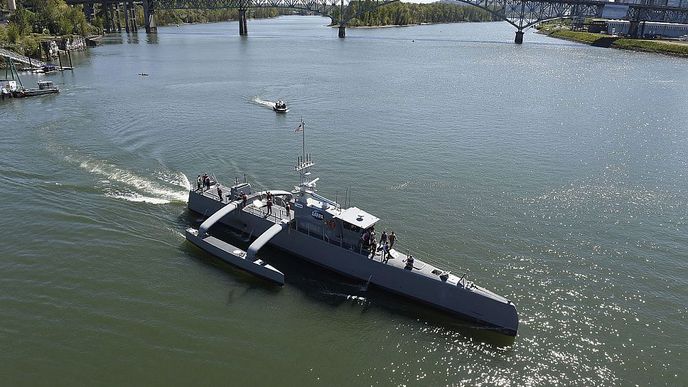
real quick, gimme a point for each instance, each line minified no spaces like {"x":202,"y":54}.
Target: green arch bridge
{"x":519,"y":13}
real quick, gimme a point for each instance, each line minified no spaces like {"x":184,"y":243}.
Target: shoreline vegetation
{"x":37,"y":21}
{"x":666,"y":47}
{"x":409,"y":14}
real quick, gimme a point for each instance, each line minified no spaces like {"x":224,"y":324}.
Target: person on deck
{"x":205,"y":181}
{"x":392,"y":239}
{"x":199,"y":183}
{"x":219,"y":193}
{"x":269,"y":205}
{"x":385,"y":252}
{"x":409,"y":263}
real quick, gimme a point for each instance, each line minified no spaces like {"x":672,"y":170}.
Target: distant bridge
{"x":521,"y":14}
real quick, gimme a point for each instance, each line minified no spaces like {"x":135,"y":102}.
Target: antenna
{"x":303,"y":138}
{"x":303,"y":162}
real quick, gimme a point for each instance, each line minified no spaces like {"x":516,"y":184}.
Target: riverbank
{"x":673,"y":48}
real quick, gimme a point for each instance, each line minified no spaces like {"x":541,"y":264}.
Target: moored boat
{"x":44,"y":87}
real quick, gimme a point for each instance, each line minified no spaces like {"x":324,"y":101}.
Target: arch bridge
{"x":521,"y":14}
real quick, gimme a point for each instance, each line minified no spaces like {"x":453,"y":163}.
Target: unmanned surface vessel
{"x":322,"y":231}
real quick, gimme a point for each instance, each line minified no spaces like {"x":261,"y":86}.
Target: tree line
{"x":402,"y":14}
{"x":36,"y":20}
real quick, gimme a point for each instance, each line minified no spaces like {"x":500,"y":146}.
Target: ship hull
{"x":465,"y":302}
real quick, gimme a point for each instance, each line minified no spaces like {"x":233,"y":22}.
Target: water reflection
{"x":152,"y":38}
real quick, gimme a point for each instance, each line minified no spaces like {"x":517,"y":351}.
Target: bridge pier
{"x":132,"y":9}
{"x":107,"y":17}
{"x":118,"y":16}
{"x":342,"y":31}
{"x":126,"y":16}
{"x":633,"y":27}
{"x":88,"y":12}
{"x":243,"y":26}
{"x":149,"y":16}
{"x":519,"y":37}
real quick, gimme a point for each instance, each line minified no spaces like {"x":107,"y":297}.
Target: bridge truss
{"x":526,"y":13}
{"x":521,"y":14}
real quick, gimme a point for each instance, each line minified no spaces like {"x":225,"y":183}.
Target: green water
{"x":554,"y":172}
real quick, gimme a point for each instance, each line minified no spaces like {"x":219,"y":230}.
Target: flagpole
{"x":303,"y":136}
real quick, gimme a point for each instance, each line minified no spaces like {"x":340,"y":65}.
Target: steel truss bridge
{"x":521,"y":14}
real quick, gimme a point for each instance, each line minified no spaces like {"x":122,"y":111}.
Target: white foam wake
{"x":263,"y":102}
{"x":166,"y":187}
{"x":138,"y":198}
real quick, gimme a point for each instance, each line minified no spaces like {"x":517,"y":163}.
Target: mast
{"x":304,"y":162}
{"x":303,"y":138}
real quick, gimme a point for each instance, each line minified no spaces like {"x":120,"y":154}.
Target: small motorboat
{"x":280,"y":107}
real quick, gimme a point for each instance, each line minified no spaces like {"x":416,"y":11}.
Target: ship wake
{"x":161,"y":187}
{"x":258,"y":101}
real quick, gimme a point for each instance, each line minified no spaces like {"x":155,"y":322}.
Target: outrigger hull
{"x":235,"y":256}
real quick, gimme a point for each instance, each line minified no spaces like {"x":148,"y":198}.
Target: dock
{"x":33,"y":63}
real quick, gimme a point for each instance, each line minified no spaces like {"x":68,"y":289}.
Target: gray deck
{"x":397,"y":259}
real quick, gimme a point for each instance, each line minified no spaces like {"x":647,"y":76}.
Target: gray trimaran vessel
{"x":321,"y":231}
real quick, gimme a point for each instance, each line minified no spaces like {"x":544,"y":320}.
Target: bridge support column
{"x":106,"y":15}
{"x":633,"y":29}
{"x":519,"y":37}
{"x":126,"y":16}
{"x":149,"y":16}
{"x":342,"y":31}
{"x":113,"y":22}
{"x":118,"y":17}
{"x":88,"y":12}
{"x":243,"y":26}
{"x":132,"y":8}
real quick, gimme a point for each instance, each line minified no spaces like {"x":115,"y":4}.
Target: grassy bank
{"x":602,"y":40}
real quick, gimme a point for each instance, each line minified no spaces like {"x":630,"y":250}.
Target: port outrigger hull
{"x":235,"y":256}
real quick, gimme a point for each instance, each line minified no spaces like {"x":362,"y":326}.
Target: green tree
{"x":23,"y":19}
{"x":12,"y":33}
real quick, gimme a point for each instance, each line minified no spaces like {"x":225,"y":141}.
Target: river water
{"x":556,"y":173}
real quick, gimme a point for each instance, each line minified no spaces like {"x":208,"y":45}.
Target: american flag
{"x":299,"y":128}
